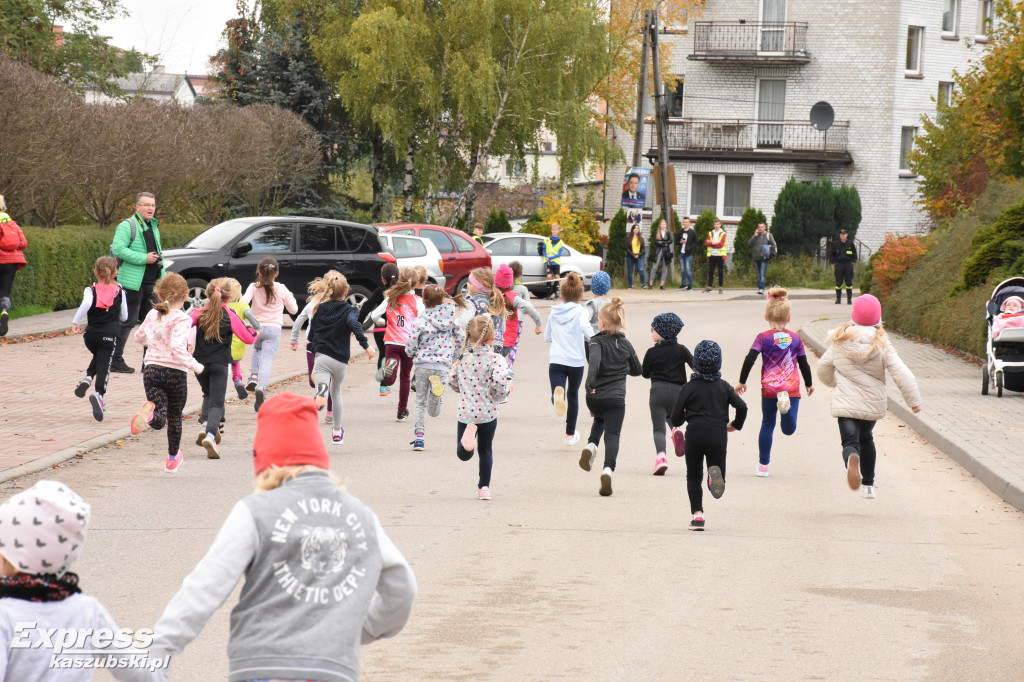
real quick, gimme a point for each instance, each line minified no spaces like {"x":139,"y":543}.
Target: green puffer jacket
{"x":133,"y":268}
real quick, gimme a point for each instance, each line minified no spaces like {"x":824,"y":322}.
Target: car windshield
{"x":220,"y":235}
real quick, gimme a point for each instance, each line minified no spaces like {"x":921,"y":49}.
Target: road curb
{"x":47,"y":461}
{"x":998,"y":483}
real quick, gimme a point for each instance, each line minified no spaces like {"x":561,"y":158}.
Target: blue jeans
{"x":761,"y":268}
{"x":769,"y":408}
{"x":634,"y":264}
{"x":686,"y":270}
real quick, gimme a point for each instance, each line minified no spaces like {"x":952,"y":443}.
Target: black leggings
{"x":484,"y":441}
{"x":561,"y":375}
{"x":702,"y":444}
{"x":609,"y":414}
{"x":716,"y":263}
{"x":7,"y":273}
{"x":102,"y":348}
{"x":213,"y":381}
{"x":167,"y":389}
{"x":857,"y":438}
{"x":378,"y":338}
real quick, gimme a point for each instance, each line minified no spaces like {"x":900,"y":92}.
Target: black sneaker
{"x":259,"y":399}
{"x":251,"y":386}
{"x":662,"y":287}
{"x":3,"y":323}
{"x":716,"y":482}
{"x":697,"y":523}
{"x":402,"y":416}
{"x":689,"y":288}
{"x":120,"y":366}
{"x":83,"y":387}
{"x":240,"y":390}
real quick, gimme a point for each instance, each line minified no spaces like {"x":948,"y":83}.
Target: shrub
{"x":60,"y":261}
{"x":805,"y":213}
{"x":744,"y":231}
{"x":497,"y":221}
{"x":895,"y":257}
{"x":997,"y":251}
{"x":702,"y":226}
{"x":615,"y":263}
{"x":578,"y":229}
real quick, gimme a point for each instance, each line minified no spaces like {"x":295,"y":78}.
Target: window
{"x":316,"y":238}
{"x":515,"y":168}
{"x":674,"y":99}
{"x":985,"y":15}
{"x":949,"y":16}
{"x":441,"y":241}
{"x":549,"y":146}
{"x":915,"y":34}
{"x":773,"y":25}
{"x":357,"y":239}
{"x":906,"y":144}
{"x":271,"y":239}
{"x":462,"y":244}
{"x":771,"y":106}
{"x":505,"y":247}
{"x":725,"y":195}
{"x":409,"y":248}
{"x":945,"y":94}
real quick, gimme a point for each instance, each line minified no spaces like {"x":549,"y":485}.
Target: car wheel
{"x":196,"y":294}
{"x":462,"y":287}
{"x":357,"y":296}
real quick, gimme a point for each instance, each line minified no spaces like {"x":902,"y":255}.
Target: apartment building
{"x":750,"y":72}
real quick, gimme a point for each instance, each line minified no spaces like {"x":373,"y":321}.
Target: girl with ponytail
{"x":105,"y":306}
{"x":398,"y":310}
{"x":388,"y":277}
{"x":487,"y":299}
{"x":269,"y":299}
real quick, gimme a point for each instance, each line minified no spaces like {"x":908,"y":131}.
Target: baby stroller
{"x":1004,"y":361}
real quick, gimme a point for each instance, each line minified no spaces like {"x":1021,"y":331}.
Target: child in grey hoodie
{"x":567,"y":331}
{"x":435,"y":340}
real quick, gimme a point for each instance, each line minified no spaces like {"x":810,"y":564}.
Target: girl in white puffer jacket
{"x":855,"y":365}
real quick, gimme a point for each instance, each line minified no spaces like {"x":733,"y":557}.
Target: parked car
{"x":305,"y":248}
{"x":460,"y":253}
{"x":506,"y":247}
{"x":410,"y":251}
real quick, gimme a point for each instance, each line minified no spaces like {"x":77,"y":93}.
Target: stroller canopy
{"x":1004,"y":290}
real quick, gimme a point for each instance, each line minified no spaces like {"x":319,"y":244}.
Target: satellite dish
{"x":822,"y":116}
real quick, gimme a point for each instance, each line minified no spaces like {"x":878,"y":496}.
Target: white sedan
{"x":410,"y":251}
{"x":506,"y":247}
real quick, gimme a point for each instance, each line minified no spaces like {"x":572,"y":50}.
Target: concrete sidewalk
{"x":984,"y":434}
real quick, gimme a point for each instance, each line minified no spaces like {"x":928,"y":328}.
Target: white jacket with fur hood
{"x":856,"y":369}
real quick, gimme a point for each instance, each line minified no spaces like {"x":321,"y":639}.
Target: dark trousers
{"x":7,"y":273}
{"x":378,"y":338}
{"x":844,"y":275}
{"x":662,"y":400}
{"x":484,"y":442}
{"x":402,"y":373}
{"x":858,"y":439}
{"x":139,"y":303}
{"x":769,"y":410}
{"x":609,"y":413}
{"x":570,"y":379}
{"x":716,"y":263}
{"x":167,"y":389}
{"x":213,"y":381}
{"x":702,"y":445}
{"x":102,"y":348}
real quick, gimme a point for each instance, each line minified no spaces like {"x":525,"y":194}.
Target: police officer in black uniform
{"x":843,"y":256}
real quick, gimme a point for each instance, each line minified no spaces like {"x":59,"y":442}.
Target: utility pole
{"x":661,"y":118}
{"x":641,"y":94}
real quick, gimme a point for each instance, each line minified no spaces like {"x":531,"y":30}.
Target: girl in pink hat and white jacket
{"x":855,"y":365}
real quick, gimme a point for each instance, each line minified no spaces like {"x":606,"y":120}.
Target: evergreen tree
{"x":615,"y":260}
{"x":847,"y":209}
{"x":497,"y":221}
{"x":744,"y":231}
{"x":702,"y":226}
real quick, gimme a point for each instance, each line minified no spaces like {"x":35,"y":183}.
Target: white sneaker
{"x":763,"y":470}
{"x":606,"y":482}
{"x":573,"y":439}
{"x":588,"y":456}
{"x":783,"y":397}
{"x":210,"y":443}
{"x":867,"y":492}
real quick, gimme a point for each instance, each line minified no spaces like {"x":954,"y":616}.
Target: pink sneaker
{"x":762,"y":470}
{"x":142,"y":418}
{"x":174,"y":463}
{"x":484,"y":493}
{"x":660,"y":465}
{"x":679,"y":442}
{"x":469,"y":437}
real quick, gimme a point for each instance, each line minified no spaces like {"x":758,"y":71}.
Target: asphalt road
{"x":796,"y":577}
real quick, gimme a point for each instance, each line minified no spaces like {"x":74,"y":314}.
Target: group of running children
{"x":428,"y":341}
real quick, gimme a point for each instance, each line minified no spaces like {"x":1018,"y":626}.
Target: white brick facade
{"x":857,"y":64}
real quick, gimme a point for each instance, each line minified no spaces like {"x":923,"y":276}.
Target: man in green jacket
{"x":141,"y":266}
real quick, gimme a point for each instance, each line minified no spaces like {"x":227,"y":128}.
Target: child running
{"x":611,"y":358}
{"x":105,"y":307}
{"x":399,"y":307}
{"x":316,"y":296}
{"x":388,"y":277}
{"x":216,"y":326}
{"x":165,"y":333}
{"x":855,"y":365}
{"x":567,"y":331}
{"x":703,"y":403}
{"x":600,"y":285}
{"x":783,"y":353}
{"x":487,"y":299}
{"x":233,"y":294}
{"x":332,"y":323}
{"x":321,"y":575}
{"x":504,"y":280}
{"x":435,"y":340}
{"x":481,"y":378}
{"x":665,"y":365}
{"x":269,"y":299}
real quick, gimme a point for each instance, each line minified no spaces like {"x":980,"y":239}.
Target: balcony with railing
{"x":757,"y":42}
{"x":751,"y":140}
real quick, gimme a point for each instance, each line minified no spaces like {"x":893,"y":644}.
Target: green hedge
{"x":60,"y":261}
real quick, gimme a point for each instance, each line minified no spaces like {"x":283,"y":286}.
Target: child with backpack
{"x":487,"y":299}
{"x":105,"y":307}
{"x":399,"y":308}
{"x":388,"y":277}
{"x":232,"y":295}
{"x":435,"y":340}
{"x":269,"y":299}
{"x":504,"y":280}
{"x":665,"y":365}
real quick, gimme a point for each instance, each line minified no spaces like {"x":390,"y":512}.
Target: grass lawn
{"x":27,"y":310}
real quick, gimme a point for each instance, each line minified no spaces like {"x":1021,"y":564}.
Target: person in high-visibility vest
{"x":716,"y":243}
{"x":478,"y":233}
{"x":551,"y":251}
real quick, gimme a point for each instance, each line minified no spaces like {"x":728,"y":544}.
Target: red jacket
{"x":15,"y":256}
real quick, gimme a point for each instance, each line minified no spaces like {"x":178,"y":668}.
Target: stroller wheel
{"x":984,"y":380}
{"x":999,"y":384}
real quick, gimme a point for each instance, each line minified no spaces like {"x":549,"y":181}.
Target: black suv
{"x":305,"y":248}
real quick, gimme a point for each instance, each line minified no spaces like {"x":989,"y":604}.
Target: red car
{"x":459,"y":253}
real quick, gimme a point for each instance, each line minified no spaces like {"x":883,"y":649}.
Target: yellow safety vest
{"x":552,"y":253}
{"x":721,"y":251}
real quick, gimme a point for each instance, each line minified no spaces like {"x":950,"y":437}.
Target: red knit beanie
{"x":288,"y":433}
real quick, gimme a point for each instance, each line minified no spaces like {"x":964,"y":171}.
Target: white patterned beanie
{"x":42,"y":529}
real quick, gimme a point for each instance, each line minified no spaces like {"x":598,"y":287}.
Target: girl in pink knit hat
{"x":856,"y":365}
